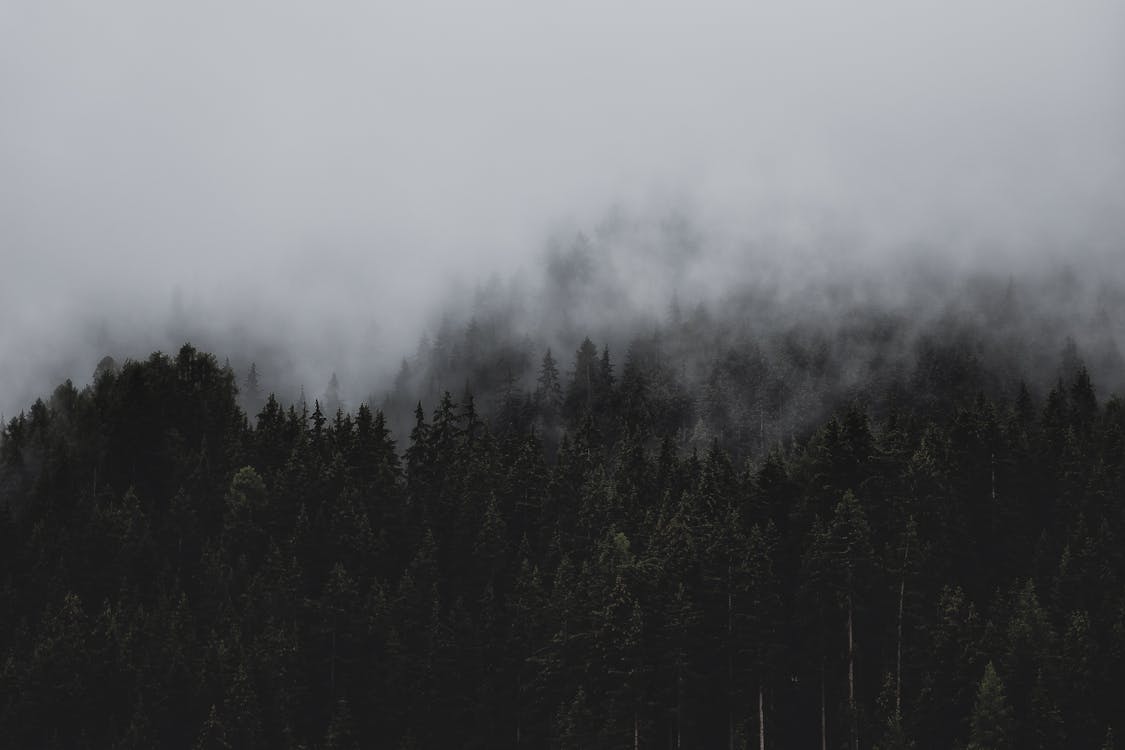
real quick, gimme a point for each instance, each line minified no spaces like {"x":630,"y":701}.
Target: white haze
{"x":310,"y":178}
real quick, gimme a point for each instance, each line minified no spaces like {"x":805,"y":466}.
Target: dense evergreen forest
{"x":611,"y":555}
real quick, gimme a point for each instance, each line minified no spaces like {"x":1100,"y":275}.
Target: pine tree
{"x":852,"y":555}
{"x":893,"y":732}
{"x":583,"y":382}
{"x":212,"y":735}
{"x":762,"y":619}
{"x":331,"y":396}
{"x":527,"y":607}
{"x":572,"y":723}
{"x":242,"y":710}
{"x":252,"y":389}
{"x":548,"y":391}
{"x":992,"y":717}
{"x":340,"y":732}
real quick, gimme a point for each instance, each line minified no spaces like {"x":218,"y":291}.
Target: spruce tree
{"x":991,"y":720}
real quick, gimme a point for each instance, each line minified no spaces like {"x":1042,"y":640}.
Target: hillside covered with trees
{"x":619,"y":554}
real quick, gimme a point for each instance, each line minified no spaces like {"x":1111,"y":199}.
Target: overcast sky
{"x":310,"y":165}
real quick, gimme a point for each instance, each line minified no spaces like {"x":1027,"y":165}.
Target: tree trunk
{"x":823,"y":710}
{"x":730,"y":655}
{"x":898,"y":655}
{"x":992,"y":462}
{"x":332,"y":660}
{"x":680,"y":708}
{"x":761,"y":720}
{"x":851,"y":677}
{"x":636,"y":732}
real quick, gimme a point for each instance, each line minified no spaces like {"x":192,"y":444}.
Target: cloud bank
{"x":311,"y":179}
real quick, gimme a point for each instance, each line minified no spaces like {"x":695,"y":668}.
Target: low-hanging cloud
{"x":310,"y":178}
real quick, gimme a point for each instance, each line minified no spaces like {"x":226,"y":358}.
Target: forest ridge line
{"x":938,"y":575}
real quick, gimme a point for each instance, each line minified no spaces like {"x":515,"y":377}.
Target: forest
{"x":574,"y":550}
{"x":506,"y":375}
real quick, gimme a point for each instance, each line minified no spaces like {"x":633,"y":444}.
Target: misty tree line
{"x":753,"y":369}
{"x":763,"y":363}
{"x":565,"y":567}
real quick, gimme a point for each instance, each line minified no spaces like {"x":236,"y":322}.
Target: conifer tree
{"x":992,"y":717}
{"x":584,"y":379}
{"x":212,"y":735}
{"x":252,"y":389}
{"x":548,"y":390}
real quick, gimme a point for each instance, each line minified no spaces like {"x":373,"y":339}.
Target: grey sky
{"x":301,"y":166}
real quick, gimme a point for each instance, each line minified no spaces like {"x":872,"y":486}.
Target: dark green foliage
{"x":991,"y":723}
{"x":599,"y":558}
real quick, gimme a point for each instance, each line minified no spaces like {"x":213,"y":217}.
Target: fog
{"x":315,"y":183}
